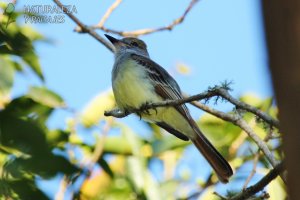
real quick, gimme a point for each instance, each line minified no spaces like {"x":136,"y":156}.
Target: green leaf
{"x":6,"y":80}
{"x":208,"y":194}
{"x":169,"y":188}
{"x":137,"y":170}
{"x":33,"y":62}
{"x":94,"y":110}
{"x":132,"y":138}
{"x":24,"y":189}
{"x":4,"y":49}
{"x":117,"y":145}
{"x":276,"y":189}
{"x":167,"y":143}
{"x":25,"y":107}
{"x":46,"y":97}
{"x":57,"y":138}
{"x":15,"y":42}
{"x":10,"y":8}
{"x":251,"y":99}
{"x":25,"y":136}
{"x":33,"y":35}
{"x":151,"y":188}
{"x":219,"y":132}
{"x":46,"y":166}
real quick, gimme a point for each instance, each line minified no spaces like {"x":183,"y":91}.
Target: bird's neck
{"x":121,"y":52}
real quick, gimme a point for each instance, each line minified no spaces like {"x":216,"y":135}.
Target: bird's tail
{"x":215,"y":159}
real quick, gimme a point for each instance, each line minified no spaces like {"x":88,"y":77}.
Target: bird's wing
{"x":165,"y":86}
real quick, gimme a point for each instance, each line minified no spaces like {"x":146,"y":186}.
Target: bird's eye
{"x":134,"y":44}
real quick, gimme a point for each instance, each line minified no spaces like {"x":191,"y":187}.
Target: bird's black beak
{"x":112,"y":39}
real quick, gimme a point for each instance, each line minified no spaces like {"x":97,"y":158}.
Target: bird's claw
{"x":145,"y":108}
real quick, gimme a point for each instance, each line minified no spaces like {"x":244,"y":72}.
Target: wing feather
{"x":165,"y":85}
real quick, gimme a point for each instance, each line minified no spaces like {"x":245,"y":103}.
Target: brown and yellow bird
{"x":137,"y":81}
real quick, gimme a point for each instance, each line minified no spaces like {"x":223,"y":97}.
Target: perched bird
{"x":137,"y":81}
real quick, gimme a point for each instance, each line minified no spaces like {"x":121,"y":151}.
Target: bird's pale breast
{"x":131,"y":87}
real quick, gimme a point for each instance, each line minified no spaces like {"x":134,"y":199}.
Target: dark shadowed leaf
{"x":46,"y":166}
{"x":22,"y":135}
{"x":27,"y":107}
{"x":15,"y":42}
{"x":32,"y":60}
{"x":7,"y":72}
{"x":26,"y":190}
{"x":102,"y":162}
{"x":57,"y":138}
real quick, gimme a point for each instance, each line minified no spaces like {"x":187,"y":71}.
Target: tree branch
{"x":240,"y":122}
{"x":84,"y":28}
{"x":233,"y":118}
{"x":215,"y":91}
{"x":140,"y":32}
{"x":225,"y":94}
{"x":100,"y":143}
{"x":108,"y":13}
{"x":253,"y":171}
{"x":260,"y":185}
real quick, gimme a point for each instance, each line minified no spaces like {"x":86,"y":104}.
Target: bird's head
{"x":128,"y":44}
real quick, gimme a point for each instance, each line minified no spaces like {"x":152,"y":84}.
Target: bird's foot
{"x":145,"y":108}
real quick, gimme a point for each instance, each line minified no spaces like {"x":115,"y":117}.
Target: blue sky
{"x":219,"y":40}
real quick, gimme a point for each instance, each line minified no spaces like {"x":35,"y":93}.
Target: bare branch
{"x":216,"y":91}
{"x":83,"y":27}
{"x":62,"y":188}
{"x":146,"y":31}
{"x":108,"y":13}
{"x":100,"y":143}
{"x":225,"y":94}
{"x":256,"y":159}
{"x":235,"y":119}
{"x":253,"y":171}
{"x":240,"y":122}
{"x":260,"y":185}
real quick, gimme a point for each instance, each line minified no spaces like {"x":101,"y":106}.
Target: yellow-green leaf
{"x":45,"y":97}
{"x":94,"y":110}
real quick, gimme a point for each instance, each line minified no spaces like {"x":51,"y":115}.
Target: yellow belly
{"x":132,"y":89}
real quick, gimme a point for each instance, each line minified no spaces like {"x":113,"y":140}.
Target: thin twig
{"x":237,"y":143}
{"x":225,"y":94}
{"x":108,"y":13}
{"x":146,"y":31}
{"x":240,"y":122}
{"x":256,"y":159}
{"x":220,"y":196}
{"x":83,"y":27}
{"x":260,"y":185}
{"x":253,"y":171}
{"x":62,"y":188}
{"x":100,"y":143}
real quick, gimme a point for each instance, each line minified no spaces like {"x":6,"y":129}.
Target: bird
{"x":137,"y":81}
